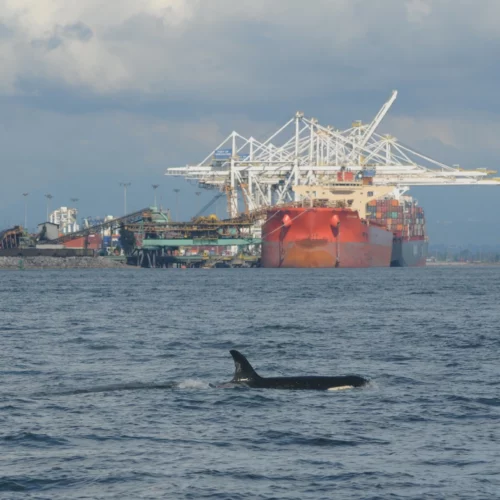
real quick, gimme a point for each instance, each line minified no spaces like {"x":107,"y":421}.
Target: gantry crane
{"x":304,"y":152}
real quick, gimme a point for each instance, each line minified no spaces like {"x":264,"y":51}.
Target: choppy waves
{"x":111,"y":392}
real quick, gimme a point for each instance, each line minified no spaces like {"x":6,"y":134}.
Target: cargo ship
{"x":406,"y":220}
{"x":349,"y":223}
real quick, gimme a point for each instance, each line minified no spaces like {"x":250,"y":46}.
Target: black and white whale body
{"x":246,"y":375}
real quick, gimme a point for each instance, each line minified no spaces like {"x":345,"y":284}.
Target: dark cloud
{"x":5,"y":32}
{"x":50,"y":43}
{"x":77,"y":31}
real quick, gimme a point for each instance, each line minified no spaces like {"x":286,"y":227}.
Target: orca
{"x":245,"y":375}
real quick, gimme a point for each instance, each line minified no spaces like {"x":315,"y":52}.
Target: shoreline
{"x":461,"y":264}
{"x":81,"y":262}
{"x":42,"y":262}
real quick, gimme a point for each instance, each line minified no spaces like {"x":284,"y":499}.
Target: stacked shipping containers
{"x":403,"y":217}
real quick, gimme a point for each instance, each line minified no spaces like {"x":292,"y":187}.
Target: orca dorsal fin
{"x":243,"y":369}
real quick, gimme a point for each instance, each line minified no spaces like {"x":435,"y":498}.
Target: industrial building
{"x":65,"y":218}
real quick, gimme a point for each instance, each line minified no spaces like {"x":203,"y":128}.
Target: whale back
{"x":246,"y":375}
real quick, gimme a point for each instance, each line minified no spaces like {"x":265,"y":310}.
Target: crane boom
{"x":374,"y":124}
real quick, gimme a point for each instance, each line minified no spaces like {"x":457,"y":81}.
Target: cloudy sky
{"x":96,"y":93}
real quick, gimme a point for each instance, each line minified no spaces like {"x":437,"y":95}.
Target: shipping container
{"x":94,"y":242}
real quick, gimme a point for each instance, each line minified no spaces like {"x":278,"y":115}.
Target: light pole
{"x":176,"y":191}
{"x":125,"y":184}
{"x":25,"y":211}
{"x":75,"y":200}
{"x":49,"y":197}
{"x":155,"y":187}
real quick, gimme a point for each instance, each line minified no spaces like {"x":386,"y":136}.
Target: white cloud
{"x":43,"y":43}
{"x":418,"y":10}
{"x":251,"y":47}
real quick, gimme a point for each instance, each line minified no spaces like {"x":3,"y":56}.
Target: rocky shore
{"x":42,"y":262}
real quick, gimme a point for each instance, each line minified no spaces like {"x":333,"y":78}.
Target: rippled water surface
{"x":107,"y":384}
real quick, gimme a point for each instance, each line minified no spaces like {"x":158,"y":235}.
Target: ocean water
{"x":107,"y":384}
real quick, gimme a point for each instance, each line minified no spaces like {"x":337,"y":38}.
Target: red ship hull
{"x":323,"y":238}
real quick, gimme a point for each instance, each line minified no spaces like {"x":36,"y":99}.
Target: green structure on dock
{"x":159,"y":241}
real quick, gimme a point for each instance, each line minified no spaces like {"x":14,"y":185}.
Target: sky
{"x":97,"y":93}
